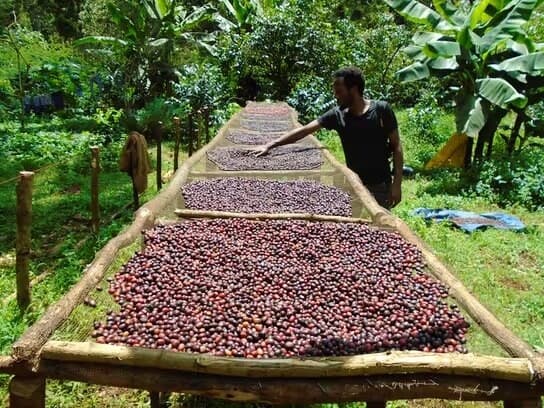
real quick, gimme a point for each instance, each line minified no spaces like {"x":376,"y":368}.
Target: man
{"x":369,"y":134}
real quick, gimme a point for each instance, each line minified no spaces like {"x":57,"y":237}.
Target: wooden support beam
{"x":293,"y":390}
{"x":395,"y":362}
{"x":27,"y":392}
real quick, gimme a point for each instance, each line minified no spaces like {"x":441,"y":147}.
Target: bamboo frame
{"x":293,"y":390}
{"x":410,"y":374}
{"x":184,"y":213}
{"x":396,"y":362}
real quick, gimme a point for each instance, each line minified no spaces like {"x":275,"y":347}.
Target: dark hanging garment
{"x":58,"y":100}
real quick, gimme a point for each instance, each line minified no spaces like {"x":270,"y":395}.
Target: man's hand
{"x":261,"y":150}
{"x":395,"y":195}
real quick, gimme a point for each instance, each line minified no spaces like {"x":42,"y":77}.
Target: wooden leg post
{"x":534,"y":403}
{"x":158,"y":136}
{"x":191,"y":135}
{"x":135,"y":196}
{"x":207,"y":123}
{"x":22,"y":244}
{"x":199,"y":129}
{"x":379,"y":404}
{"x":95,"y":209}
{"x":27,"y":392}
{"x":177,"y":131}
{"x":154,"y":399}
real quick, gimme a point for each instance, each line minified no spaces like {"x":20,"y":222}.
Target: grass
{"x":503,"y":269}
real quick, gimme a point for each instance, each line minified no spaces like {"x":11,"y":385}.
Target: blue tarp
{"x":470,"y":221}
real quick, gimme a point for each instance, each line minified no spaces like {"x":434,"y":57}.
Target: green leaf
{"x":451,"y":13}
{"x":473,"y":116}
{"x":415,"y":52}
{"x":415,"y":12}
{"x":414,"y":72}
{"x":531,"y":64}
{"x":448,"y":64}
{"x":163,"y":7}
{"x":508,"y":22}
{"x":158,"y":42}
{"x":96,"y":40}
{"x":500,"y":92}
{"x":423,"y":37}
{"x":442,"y":49}
{"x":483,"y":11}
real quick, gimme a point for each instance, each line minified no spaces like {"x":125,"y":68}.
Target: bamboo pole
{"x":396,"y":362}
{"x":184,"y":213}
{"x":177,"y":134}
{"x":36,"y":336}
{"x":293,"y":390}
{"x":95,"y":170}
{"x":23,"y":240}
{"x":158,"y":137}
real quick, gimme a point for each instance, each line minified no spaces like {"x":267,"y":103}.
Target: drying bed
{"x":290,"y":157}
{"x":70,"y":354}
{"x":266,"y":196}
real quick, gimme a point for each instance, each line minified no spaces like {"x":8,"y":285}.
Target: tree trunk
{"x":468,"y":153}
{"x":487,"y":132}
{"x":514,"y":134}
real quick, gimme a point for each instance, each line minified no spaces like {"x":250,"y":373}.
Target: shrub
{"x":515,"y":180}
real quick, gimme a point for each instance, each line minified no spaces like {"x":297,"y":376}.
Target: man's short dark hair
{"x":352,"y":76}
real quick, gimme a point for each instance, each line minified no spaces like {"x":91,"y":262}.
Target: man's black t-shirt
{"x":364,"y":139}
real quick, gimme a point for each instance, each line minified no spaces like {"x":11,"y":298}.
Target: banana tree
{"x":151,"y":32}
{"x":241,"y":15}
{"x":485,"y":48}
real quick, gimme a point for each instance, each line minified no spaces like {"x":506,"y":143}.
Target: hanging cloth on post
{"x":135,"y":160}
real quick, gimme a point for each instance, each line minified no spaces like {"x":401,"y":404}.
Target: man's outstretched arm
{"x":290,"y":137}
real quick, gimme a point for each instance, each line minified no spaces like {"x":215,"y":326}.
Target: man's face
{"x":344,"y":96}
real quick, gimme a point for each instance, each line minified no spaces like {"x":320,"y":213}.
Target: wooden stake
{"x":27,"y":392}
{"x":95,"y":170}
{"x":199,"y":129}
{"x":191,"y":134}
{"x":177,"y":132}
{"x":207,"y":122}
{"x":23,"y":240}
{"x":158,"y":137}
